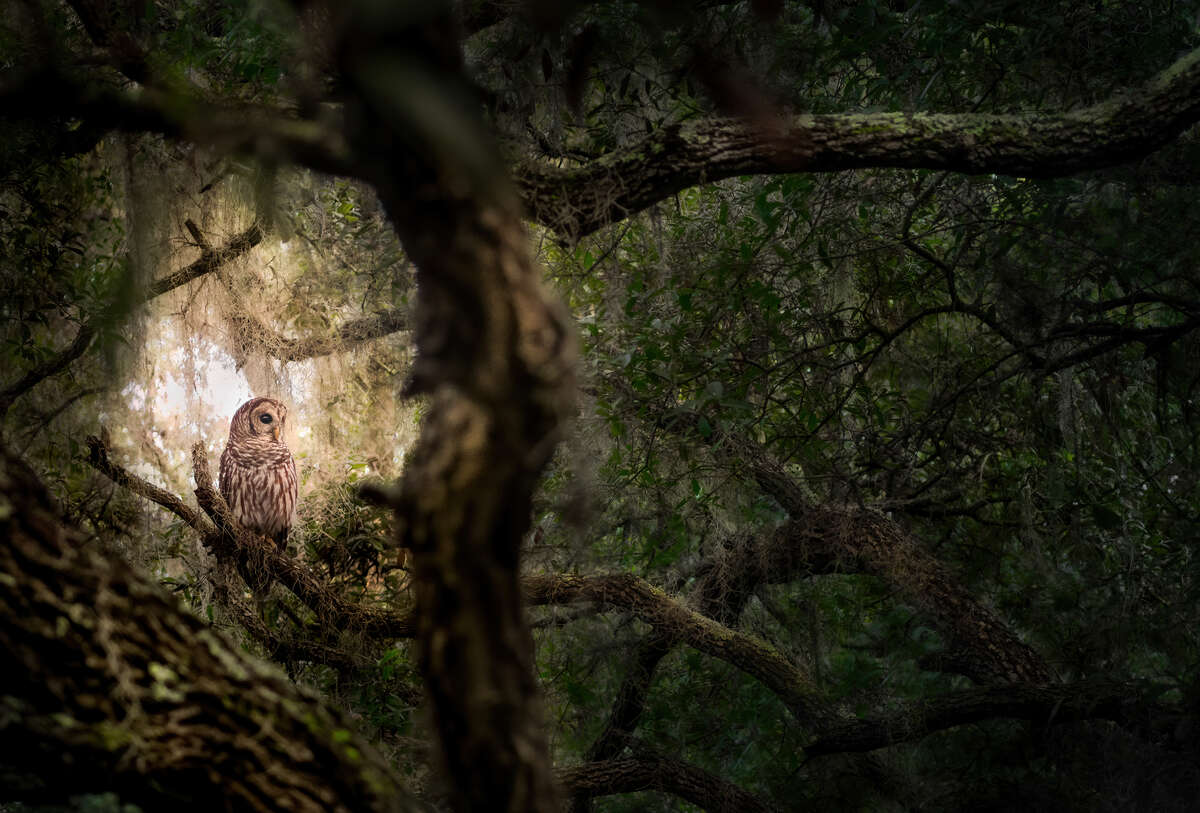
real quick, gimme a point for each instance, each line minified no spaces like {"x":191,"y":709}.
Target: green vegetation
{"x":877,"y":486}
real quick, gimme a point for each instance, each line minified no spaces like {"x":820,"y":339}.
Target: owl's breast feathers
{"x":258,"y":481}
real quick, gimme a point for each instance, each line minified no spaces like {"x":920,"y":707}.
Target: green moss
{"x":163,"y":677}
{"x":112,"y":737}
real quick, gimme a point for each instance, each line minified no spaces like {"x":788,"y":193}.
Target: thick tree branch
{"x":103,"y":670}
{"x":274,"y":135}
{"x":651,"y":772}
{"x":579,"y":200}
{"x":1128,"y":704}
{"x":825,"y":538}
{"x":988,"y":651}
{"x":628,"y":592}
{"x":834,"y":538}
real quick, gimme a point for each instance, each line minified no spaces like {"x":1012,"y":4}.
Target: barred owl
{"x":258,"y":474}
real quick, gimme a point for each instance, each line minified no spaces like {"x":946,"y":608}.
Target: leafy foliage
{"x":1004,"y":367}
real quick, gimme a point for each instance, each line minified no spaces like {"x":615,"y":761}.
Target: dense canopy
{"x":723,"y":406}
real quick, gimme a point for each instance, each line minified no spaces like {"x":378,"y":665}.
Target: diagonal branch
{"x":628,"y":592}
{"x":988,"y":650}
{"x":99,"y":460}
{"x":210,"y":260}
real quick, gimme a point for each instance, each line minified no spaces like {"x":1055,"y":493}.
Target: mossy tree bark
{"x":495,"y":357}
{"x":577,"y":200}
{"x":107,"y":676}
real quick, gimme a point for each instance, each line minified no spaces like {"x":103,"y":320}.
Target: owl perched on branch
{"x":258,"y":473}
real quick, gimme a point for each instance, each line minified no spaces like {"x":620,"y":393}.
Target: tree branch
{"x":673,"y":776}
{"x":1128,"y":704}
{"x":354,"y":332}
{"x":988,"y":651}
{"x":271,"y":134}
{"x":51,"y":366}
{"x":98,"y":458}
{"x":846,"y":540}
{"x":578,"y":200}
{"x":104,"y":670}
{"x":628,"y":592}
{"x":254,"y":554}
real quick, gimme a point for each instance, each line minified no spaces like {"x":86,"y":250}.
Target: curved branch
{"x":98,"y":458}
{"x":581,"y":199}
{"x":628,"y":592}
{"x":1128,"y":704}
{"x":825,"y":538}
{"x":51,"y":366}
{"x":987,"y":650}
{"x":681,"y":779}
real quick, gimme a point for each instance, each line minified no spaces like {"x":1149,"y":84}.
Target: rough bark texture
{"x":495,"y":357}
{"x":672,"y":776}
{"x":749,"y":654}
{"x":985,"y":649}
{"x":1124,"y":703}
{"x":465,"y":507}
{"x":581,"y":199}
{"x":105,"y":674}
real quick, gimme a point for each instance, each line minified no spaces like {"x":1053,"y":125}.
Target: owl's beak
{"x":275,"y":432}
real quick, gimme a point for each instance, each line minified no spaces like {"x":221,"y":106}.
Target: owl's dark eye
{"x":265,"y":418}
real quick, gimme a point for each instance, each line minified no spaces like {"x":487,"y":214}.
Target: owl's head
{"x":258,"y":417}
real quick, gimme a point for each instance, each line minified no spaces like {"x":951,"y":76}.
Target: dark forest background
{"x":726,"y":406}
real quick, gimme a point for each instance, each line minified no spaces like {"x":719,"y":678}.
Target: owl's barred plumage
{"x":258,"y":474}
